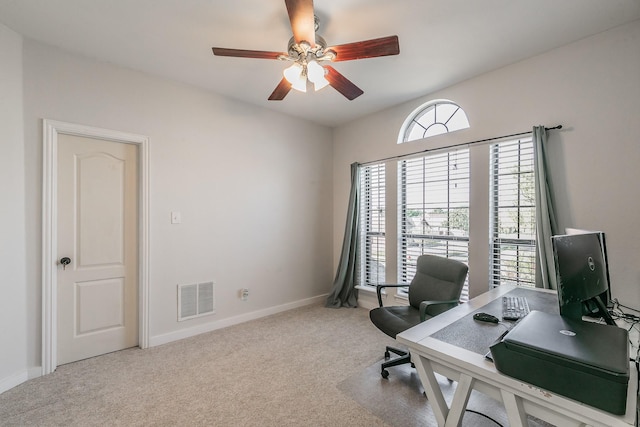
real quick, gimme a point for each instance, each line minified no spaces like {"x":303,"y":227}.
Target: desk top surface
{"x":442,"y":339}
{"x":478,"y":336}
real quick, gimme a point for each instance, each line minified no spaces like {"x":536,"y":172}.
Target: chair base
{"x":405,"y":357}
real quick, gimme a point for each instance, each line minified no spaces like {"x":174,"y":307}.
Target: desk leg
{"x":515,"y":410}
{"x":432,"y":388}
{"x":460,"y":400}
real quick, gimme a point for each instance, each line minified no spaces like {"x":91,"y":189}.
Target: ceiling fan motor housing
{"x":301,"y":51}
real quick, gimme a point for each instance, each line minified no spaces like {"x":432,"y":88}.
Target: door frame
{"x":51,"y":129}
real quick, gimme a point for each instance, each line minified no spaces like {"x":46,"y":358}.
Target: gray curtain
{"x":344,"y":293}
{"x":546,"y":225}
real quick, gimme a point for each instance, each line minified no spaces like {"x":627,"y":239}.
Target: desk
{"x":472,"y":371}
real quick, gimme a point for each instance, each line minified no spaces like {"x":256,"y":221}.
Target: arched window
{"x":433,"y":118}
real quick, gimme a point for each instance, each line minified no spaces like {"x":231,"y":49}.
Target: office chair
{"x":435,"y":288}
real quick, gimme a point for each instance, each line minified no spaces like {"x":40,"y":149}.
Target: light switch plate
{"x":176,"y":218}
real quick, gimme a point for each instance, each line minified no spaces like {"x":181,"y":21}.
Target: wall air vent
{"x":195,"y":300}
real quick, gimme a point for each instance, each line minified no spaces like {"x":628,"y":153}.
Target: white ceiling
{"x":442,"y":42}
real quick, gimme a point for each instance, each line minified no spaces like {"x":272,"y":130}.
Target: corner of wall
{"x":13,"y":304}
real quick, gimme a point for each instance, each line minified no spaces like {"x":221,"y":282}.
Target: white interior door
{"x":97,"y":230}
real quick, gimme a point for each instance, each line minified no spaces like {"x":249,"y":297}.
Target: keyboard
{"x":514,"y":308}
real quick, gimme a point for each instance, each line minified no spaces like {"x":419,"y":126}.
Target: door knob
{"x":65,"y":261}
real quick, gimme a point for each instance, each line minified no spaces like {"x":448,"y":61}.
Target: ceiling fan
{"x":307,"y":50}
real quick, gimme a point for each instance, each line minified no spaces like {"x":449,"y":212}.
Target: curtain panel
{"x":344,"y":292}
{"x":546,"y":224}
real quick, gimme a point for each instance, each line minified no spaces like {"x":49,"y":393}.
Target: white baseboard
{"x":230,"y":321}
{"x":19,"y":378}
{"x":35,"y":372}
{"x":13,"y":380}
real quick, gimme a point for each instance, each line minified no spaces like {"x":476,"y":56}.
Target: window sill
{"x":371,"y":289}
{"x":402,"y":297}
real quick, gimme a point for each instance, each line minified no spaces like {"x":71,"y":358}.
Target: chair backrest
{"x":438,"y":279}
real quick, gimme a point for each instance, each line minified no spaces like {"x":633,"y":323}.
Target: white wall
{"x":13,"y":306}
{"x":592,"y":87}
{"x":256,"y":201}
{"x":253,"y":187}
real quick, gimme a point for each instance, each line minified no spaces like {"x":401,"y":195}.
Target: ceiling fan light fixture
{"x":315,"y":72}
{"x":293,"y":73}
{"x":320,"y":84}
{"x":301,"y":84}
{"x":296,"y":76}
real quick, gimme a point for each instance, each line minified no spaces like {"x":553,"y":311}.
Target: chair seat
{"x":436,"y":287}
{"x":395,"y":319}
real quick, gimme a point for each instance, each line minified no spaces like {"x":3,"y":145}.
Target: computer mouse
{"x":486,"y":317}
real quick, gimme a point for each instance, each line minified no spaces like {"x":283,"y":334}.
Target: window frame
{"x":452,"y":242}
{"x":372,"y":227}
{"x":418,"y":117}
{"x":524,"y":271}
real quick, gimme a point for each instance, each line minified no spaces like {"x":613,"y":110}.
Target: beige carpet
{"x":399,"y":400}
{"x":280,"y":370}
{"x":311,"y":366}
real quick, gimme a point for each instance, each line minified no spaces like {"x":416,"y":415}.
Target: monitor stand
{"x":602,"y":310}
{"x":574,"y":310}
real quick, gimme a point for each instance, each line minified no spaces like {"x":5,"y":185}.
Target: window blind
{"x":372,"y":225}
{"x":513,"y":222}
{"x":433,"y":210}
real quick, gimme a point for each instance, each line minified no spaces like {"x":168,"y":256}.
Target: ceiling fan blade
{"x":302,"y":20}
{"x":281,"y":90}
{"x":342,"y":84}
{"x":383,"y":46}
{"x":241,"y":53}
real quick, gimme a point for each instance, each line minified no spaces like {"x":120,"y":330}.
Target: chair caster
{"x":385,"y":374}
{"x":387,"y":355}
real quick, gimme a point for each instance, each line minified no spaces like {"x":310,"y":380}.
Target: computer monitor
{"x":589,"y":308}
{"x":581,"y":273}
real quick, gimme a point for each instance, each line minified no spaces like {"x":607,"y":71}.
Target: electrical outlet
{"x":244,"y":294}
